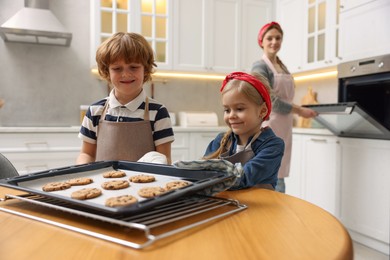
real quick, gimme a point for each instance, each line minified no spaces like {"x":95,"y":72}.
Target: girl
{"x":127,"y":124}
{"x":270,"y":39}
{"x":247,"y":104}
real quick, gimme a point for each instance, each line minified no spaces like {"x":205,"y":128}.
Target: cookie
{"x":173,"y":185}
{"x":150,"y":192}
{"x":142,"y":178}
{"x":54,"y":186}
{"x":79,"y":181}
{"x":119,"y":201}
{"x":114,"y":174}
{"x":115,"y":185}
{"x":86,"y":193}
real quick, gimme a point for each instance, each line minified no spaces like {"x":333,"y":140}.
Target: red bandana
{"x":257,"y":84}
{"x":263,"y":30}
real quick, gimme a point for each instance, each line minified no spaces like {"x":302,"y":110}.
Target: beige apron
{"x":243,"y":157}
{"x":282,"y":124}
{"x":127,"y":141}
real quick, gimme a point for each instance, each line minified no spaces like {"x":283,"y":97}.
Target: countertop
{"x":274,"y":226}
{"x":76,"y":129}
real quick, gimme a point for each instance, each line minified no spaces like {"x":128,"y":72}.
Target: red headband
{"x":257,"y":84}
{"x":262,"y":32}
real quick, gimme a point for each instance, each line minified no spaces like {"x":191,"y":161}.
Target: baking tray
{"x":199,"y":180}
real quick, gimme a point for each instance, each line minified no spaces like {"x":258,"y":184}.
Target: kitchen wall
{"x":45,"y":85}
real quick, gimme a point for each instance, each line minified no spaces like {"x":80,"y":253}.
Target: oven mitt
{"x":154,"y":157}
{"x":231,"y":169}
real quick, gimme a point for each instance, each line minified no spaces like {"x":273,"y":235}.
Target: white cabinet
{"x":364,"y":31}
{"x":190,"y":144}
{"x":180,"y":147}
{"x":365,"y":191}
{"x":294,"y":182}
{"x":292,"y":17}
{"x":310,"y":34}
{"x":321,"y":168}
{"x":32,"y":152}
{"x":218,"y":35}
{"x":254,"y":15}
{"x":199,"y":142}
{"x":189,"y":36}
{"x":315,"y":171}
{"x":348,"y":177}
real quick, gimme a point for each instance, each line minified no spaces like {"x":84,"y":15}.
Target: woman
{"x":282,"y":93}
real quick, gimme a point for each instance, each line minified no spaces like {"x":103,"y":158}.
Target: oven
{"x":363,"y":108}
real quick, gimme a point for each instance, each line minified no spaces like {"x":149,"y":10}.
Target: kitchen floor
{"x":362,"y":252}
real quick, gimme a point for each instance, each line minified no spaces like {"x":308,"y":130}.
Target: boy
{"x":127,"y":124}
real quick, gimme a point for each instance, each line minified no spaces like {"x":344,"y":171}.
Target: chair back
{"x":6,"y":168}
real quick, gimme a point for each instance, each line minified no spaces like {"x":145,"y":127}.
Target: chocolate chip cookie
{"x":79,"y":181}
{"x":173,"y":185}
{"x":86,"y":193}
{"x":120,"y":201}
{"x":150,"y":192}
{"x":142,"y":178}
{"x":114,"y":174}
{"x":54,"y":186}
{"x":115,"y":185}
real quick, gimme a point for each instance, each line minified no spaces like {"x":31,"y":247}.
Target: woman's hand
{"x":304,"y":111}
{"x":307,"y":112}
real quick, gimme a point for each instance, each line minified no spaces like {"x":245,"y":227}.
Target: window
{"x":147,"y":17}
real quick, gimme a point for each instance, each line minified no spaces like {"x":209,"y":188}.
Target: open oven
{"x":363,"y":110}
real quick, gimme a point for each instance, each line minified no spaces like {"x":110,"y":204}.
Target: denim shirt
{"x":264,"y":166}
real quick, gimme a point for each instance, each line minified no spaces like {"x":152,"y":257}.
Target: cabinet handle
{"x":318,"y":140}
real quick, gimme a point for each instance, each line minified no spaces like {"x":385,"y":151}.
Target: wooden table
{"x":274,"y":226}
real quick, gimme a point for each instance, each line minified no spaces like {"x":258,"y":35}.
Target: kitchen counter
{"x":274,"y":226}
{"x":312,"y":131}
{"x":76,"y":129}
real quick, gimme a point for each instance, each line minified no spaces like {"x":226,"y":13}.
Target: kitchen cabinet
{"x":365,"y":191}
{"x":152,"y":19}
{"x":191,"y":143}
{"x":315,"y":170}
{"x":32,"y":152}
{"x":294,"y":182}
{"x":348,"y":177}
{"x":321,"y":169}
{"x":180,"y":147}
{"x":218,"y":36}
{"x":292,"y":19}
{"x":311,"y":31}
{"x":364,"y":29}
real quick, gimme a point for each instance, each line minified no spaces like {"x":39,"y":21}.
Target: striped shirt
{"x":131,"y":112}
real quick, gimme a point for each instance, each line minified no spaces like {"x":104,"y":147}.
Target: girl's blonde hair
{"x":131,"y":47}
{"x":252,"y":94}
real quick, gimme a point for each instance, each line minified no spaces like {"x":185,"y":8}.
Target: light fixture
{"x":316,"y":75}
{"x":177,"y":75}
{"x":188,"y":75}
{"x":222,"y":77}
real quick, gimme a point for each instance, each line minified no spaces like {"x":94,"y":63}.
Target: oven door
{"x":349,"y":120}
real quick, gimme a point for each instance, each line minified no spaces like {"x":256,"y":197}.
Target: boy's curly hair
{"x":131,"y":47}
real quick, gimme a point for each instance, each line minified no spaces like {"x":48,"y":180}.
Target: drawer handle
{"x":37,"y":143}
{"x":318,"y":140}
{"x":30,"y":168}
